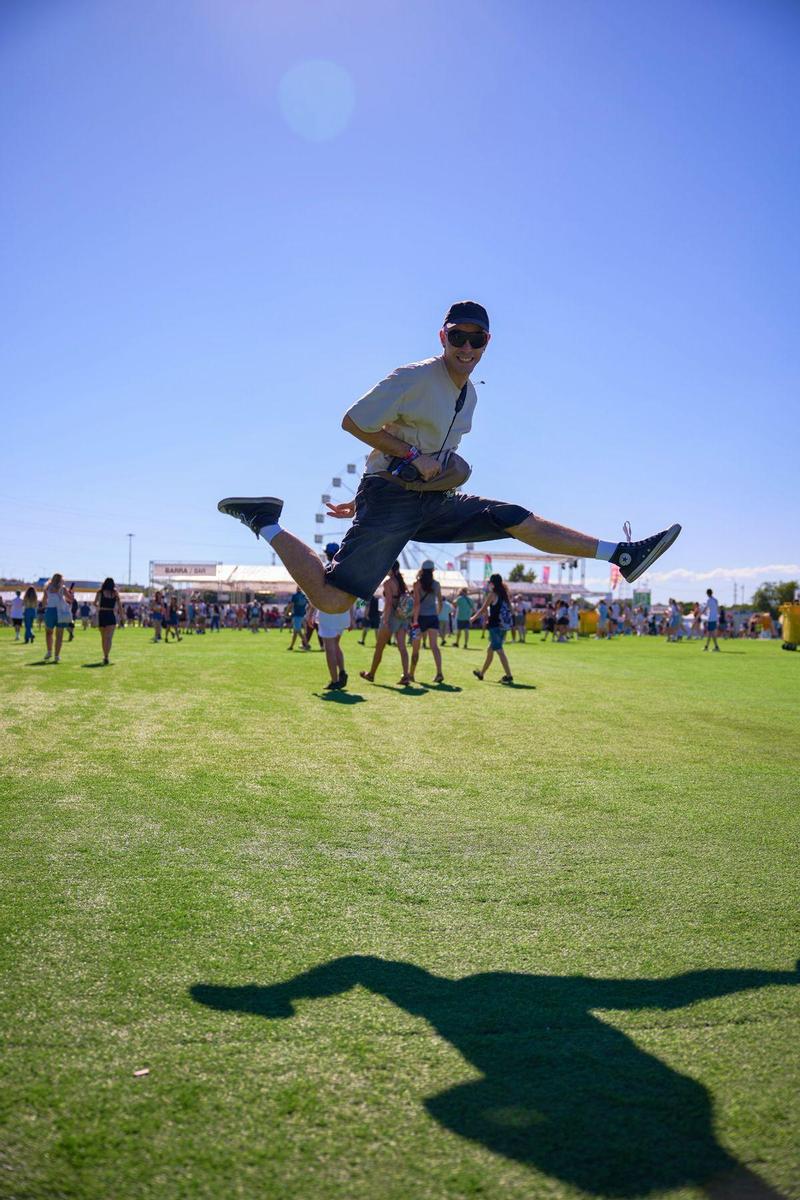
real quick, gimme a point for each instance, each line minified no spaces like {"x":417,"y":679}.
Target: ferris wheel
{"x":342,"y":488}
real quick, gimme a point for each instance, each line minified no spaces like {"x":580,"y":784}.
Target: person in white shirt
{"x":711,"y":612}
{"x":17,"y":610}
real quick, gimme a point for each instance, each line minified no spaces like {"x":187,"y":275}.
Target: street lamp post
{"x":131,"y":536}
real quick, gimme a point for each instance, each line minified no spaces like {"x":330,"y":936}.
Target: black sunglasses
{"x":458,"y":338}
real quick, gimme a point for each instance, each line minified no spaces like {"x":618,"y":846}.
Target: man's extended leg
{"x":632,"y":558}
{"x":459,"y":517}
{"x":554,"y":539}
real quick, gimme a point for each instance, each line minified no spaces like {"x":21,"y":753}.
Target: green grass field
{"x":440,"y":943}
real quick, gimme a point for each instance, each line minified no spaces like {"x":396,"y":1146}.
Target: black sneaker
{"x":343,"y":679}
{"x":253,"y":511}
{"x":634,"y":558}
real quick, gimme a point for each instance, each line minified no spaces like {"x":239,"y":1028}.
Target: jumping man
{"x":418,"y":414}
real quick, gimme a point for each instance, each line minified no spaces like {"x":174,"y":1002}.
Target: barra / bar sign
{"x":182,"y":570}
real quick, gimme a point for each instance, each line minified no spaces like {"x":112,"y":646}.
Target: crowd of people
{"x":57,"y":610}
{"x":409,"y":619}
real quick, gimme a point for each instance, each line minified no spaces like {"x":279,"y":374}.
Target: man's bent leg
{"x":307,"y":571}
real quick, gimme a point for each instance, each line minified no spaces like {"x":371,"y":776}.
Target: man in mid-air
{"x":416,"y":418}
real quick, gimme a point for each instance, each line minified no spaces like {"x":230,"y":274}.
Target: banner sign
{"x":487,"y":566}
{"x":614,"y":576}
{"x":182,"y":570}
{"x":642,"y":598}
{"x":545,"y":574}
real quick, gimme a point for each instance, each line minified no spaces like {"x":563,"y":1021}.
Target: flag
{"x":545,"y":574}
{"x":487,"y":565}
{"x":614,"y":576}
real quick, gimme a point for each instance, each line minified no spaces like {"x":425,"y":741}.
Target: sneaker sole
{"x":660,"y":547}
{"x":238,"y":501}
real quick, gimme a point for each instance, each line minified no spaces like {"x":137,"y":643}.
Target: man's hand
{"x":428,"y":466}
{"x":346,"y":510}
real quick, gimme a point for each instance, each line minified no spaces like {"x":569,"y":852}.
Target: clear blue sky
{"x":224,"y":220}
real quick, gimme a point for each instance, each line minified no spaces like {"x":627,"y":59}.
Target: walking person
{"x":29,"y":603}
{"x":69,"y":595}
{"x":574,"y":619}
{"x":711,"y":611}
{"x":520,"y":612}
{"x":465,"y":607}
{"x":414,"y":421}
{"x":17,"y":614}
{"x":398,"y":605}
{"x":157,"y":615}
{"x":297,"y":607}
{"x":330,"y":627}
{"x":172,"y":621}
{"x":57,"y":615}
{"x":501,"y":618}
{"x":109,"y":612}
{"x":445,"y":618}
{"x":372,"y":619}
{"x":425,"y":619}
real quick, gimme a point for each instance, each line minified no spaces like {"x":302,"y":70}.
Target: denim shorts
{"x":430,"y":622}
{"x":50,"y":618}
{"x":496,"y":637}
{"x":387,"y":517}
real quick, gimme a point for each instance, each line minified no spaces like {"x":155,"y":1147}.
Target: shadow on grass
{"x":340,"y":697}
{"x":561,"y":1089}
{"x":405,"y":689}
{"x":42,"y":662}
{"x":94,"y":666}
{"x":441,"y":687}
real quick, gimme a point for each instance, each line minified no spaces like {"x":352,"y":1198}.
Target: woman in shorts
{"x":109,"y":612}
{"x":496,"y":598}
{"x":425,"y":619}
{"x":398,"y":605}
{"x":55,"y":609}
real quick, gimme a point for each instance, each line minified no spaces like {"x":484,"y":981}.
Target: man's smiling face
{"x":462,"y":360}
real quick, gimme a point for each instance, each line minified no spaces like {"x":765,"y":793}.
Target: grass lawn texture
{"x":470,"y":941}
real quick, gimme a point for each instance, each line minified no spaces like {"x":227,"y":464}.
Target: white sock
{"x":267,"y":532}
{"x":605,"y":550}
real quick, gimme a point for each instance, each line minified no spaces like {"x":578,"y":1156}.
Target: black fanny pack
{"x":455,"y":470}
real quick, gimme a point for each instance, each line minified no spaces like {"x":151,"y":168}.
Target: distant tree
{"x":769,"y":596}
{"x":518,"y":574}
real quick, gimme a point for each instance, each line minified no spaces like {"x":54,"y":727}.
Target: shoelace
{"x":627,"y":532}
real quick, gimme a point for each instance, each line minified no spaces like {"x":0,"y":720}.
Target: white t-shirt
{"x":17,"y":608}
{"x":711,"y":608}
{"x":416,"y":403}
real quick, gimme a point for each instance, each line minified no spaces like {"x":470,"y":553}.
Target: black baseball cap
{"x":467,"y":312}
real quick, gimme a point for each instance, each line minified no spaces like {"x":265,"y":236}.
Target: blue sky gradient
{"x":225,"y":221}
